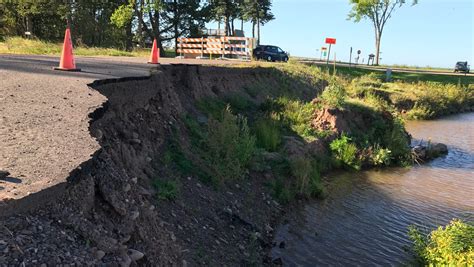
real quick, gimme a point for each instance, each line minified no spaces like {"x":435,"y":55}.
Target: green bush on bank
{"x":452,"y":245}
{"x":334,"y":95}
{"x":345,"y":152}
{"x":230,"y":145}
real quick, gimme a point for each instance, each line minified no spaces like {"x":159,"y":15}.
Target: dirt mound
{"x":348,"y":120}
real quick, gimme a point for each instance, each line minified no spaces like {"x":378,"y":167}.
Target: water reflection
{"x":365,"y":218}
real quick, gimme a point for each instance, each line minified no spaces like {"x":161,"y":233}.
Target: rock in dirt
{"x":135,"y":255}
{"x":99,"y":254}
{"x":4,"y":174}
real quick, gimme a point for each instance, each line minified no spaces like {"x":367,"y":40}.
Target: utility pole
{"x":350,"y":58}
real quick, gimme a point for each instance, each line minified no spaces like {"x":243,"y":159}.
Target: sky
{"x":435,"y":33}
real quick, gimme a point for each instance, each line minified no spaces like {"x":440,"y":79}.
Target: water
{"x":364,"y":220}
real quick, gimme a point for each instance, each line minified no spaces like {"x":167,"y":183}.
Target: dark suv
{"x":462,"y":66}
{"x":270,"y":53}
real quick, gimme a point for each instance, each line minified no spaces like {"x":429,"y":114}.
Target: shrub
{"x":397,"y":141}
{"x":295,"y":114}
{"x":334,"y":95}
{"x":380,"y":156}
{"x":166,"y":190}
{"x":230,"y":145}
{"x":307,"y":177}
{"x":345,"y":152}
{"x":268,"y":134}
{"x":452,"y":245}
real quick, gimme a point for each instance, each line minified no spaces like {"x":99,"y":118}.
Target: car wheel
{"x":285,"y":59}
{"x":269,"y":58}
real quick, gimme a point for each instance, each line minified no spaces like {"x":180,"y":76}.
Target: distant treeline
{"x":125,"y":24}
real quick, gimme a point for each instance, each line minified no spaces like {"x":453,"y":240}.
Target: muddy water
{"x":365,"y":218}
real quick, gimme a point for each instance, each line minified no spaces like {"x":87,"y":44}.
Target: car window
{"x":279,"y":50}
{"x":272,"y":49}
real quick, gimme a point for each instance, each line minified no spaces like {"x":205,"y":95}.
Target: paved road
{"x":44,"y":116}
{"x":362,"y":66}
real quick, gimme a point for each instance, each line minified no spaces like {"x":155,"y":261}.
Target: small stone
{"x":173,"y":237}
{"x":126,"y":261}
{"x":135,"y":255}
{"x":282,"y":245}
{"x":134,"y":180}
{"x":99,"y":134}
{"x":4,"y":174}
{"x":135,"y":141}
{"x":268,"y":228}
{"x":127,"y":187}
{"x":99,"y":254}
{"x":134,"y":215}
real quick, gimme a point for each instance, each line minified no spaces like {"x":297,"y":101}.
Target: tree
{"x":377,"y":11}
{"x":258,"y":12}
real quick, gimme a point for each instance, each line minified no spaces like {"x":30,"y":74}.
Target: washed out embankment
{"x":110,"y":211}
{"x":195,"y":162}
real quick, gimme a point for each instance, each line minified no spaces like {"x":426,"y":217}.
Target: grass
{"x":354,"y":72}
{"x":18,"y":45}
{"x":166,"y":190}
{"x":452,"y":245}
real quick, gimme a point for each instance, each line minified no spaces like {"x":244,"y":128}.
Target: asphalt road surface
{"x":44,"y":115}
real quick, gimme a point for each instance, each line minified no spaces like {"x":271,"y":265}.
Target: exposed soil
{"x":109,"y":212}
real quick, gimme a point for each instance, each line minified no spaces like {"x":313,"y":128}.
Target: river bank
{"x":197,"y":159}
{"x":366,"y":216}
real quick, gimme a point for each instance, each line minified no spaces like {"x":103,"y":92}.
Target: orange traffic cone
{"x":67,"y":58}
{"x":155,"y":54}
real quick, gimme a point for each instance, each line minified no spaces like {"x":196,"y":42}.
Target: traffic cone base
{"x":67,"y":57}
{"x":155,"y":54}
{"x":63,"y":69}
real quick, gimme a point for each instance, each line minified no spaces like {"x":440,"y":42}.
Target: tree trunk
{"x":129,"y":36}
{"x":139,"y":10}
{"x":232,"y":27}
{"x":29,"y":26}
{"x":242,"y":24}
{"x":378,"y":37}
{"x":175,"y":26}
{"x":258,"y":31}
{"x":253,"y":29}
{"x":226,"y":24}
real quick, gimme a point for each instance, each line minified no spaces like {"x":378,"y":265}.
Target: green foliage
{"x":268,"y":134}
{"x":345,"y":152}
{"x":452,"y":245}
{"x":297,"y":177}
{"x":334,"y":94}
{"x":240,"y":102}
{"x":211,"y":106}
{"x":122,"y":16}
{"x":230,"y":145}
{"x":381,"y":156}
{"x":397,"y":142}
{"x":166,"y":190}
{"x":296,"y":114}
{"x":307,"y":177}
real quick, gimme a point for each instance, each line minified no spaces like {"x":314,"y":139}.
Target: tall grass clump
{"x":345,"y":152}
{"x":268,"y":134}
{"x":307,"y":177}
{"x":452,"y":245}
{"x":334,"y":95}
{"x":295,"y":114}
{"x":230,"y":145}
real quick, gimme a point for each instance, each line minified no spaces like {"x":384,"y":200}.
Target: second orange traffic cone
{"x":67,"y":62}
{"x":155,"y":54}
